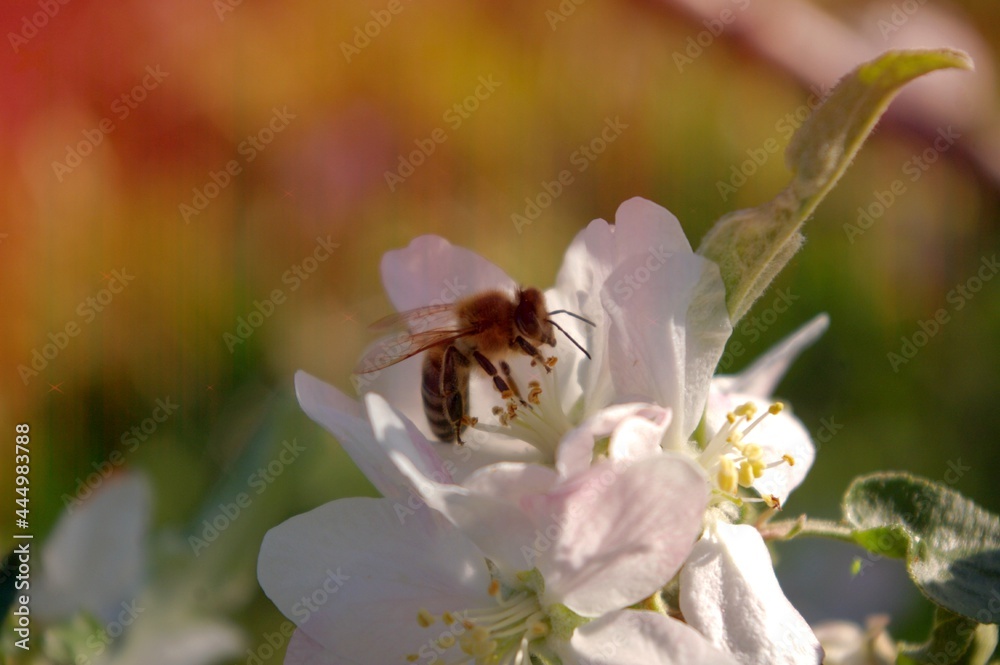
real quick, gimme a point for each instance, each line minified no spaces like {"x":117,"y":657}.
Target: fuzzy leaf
{"x":952,"y":546}
{"x":751,"y":246}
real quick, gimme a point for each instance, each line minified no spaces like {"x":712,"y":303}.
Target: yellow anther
{"x":412,"y":658}
{"x":494,"y":588}
{"x":727,"y":475}
{"x":446,"y":641}
{"x":731,"y":417}
{"x":746,"y":410}
{"x":772,"y":501}
{"x":758,"y":467}
{"x":752,"y":451}
{"x":788,"y":458}
{"x":735,"y":438}
{"x":424,"y":618}
{"x":776,"y":408}
{"x":480,"y":634}
{"x":468,"y":625}
{"x":448,"y":618}
{"x":746,"y":474}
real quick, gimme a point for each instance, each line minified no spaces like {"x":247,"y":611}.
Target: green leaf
{"x":752,"y":246}
{"x":949,"y":640}
{"x":951,"y":545}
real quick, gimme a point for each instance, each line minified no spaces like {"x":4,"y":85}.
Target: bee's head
{"x":531,"y":318}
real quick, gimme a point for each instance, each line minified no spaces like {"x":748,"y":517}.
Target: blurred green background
{"x":308,"y":113}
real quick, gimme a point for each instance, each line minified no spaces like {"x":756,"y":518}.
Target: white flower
{"x":728,"y":588}
{"x":528,"y":561}
{"x":95,"y":564}
{"x":847,"y":643}
{"x":771,"y":452}
{"x":660,"y":326}
{"x":729,"y":594}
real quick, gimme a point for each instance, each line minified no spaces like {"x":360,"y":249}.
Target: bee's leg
{"x":505,"y":368}
{"x":455,"y":390}
{"x":535,"y":354}
{"x":502,"y":387}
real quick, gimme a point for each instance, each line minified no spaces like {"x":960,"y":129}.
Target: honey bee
{"x":472,"y":333}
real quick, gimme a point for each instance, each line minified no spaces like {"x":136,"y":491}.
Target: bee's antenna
{"x":574,"y":315}
{"x":568,"y":336}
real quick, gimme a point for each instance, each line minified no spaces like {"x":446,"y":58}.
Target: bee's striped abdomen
{"x":445,"y":391}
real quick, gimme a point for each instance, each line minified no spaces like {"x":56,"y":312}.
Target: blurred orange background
{"x":168,"y":168}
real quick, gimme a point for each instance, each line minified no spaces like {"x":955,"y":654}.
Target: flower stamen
{"x":538,"y":420}
{"x":737,"y":462}
{"x":489,"y":636}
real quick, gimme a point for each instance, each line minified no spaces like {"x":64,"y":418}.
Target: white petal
{"x":345,"y":419}
{"x":641,"y":228}
{"x":639,"y":436}
{"x":576,"y":451}
{"x":762,"y":377}
{"x":777,"y":435}
{"x":355,"y":572}
{"x":95,"y":558}
{"x":669,"y":324}
{"x":615,"y":534}
{"x":395,"y":433}
{"x":501,"y":530}
{"x":511,"y":481}
{"x":633,"y":637}
{"x":729,"y":594}
{"x":432,"y":271}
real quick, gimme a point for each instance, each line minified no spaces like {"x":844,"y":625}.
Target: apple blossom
{"x":515,"y":562}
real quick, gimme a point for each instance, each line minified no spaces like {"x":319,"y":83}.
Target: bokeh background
{"x":119,"y":122}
